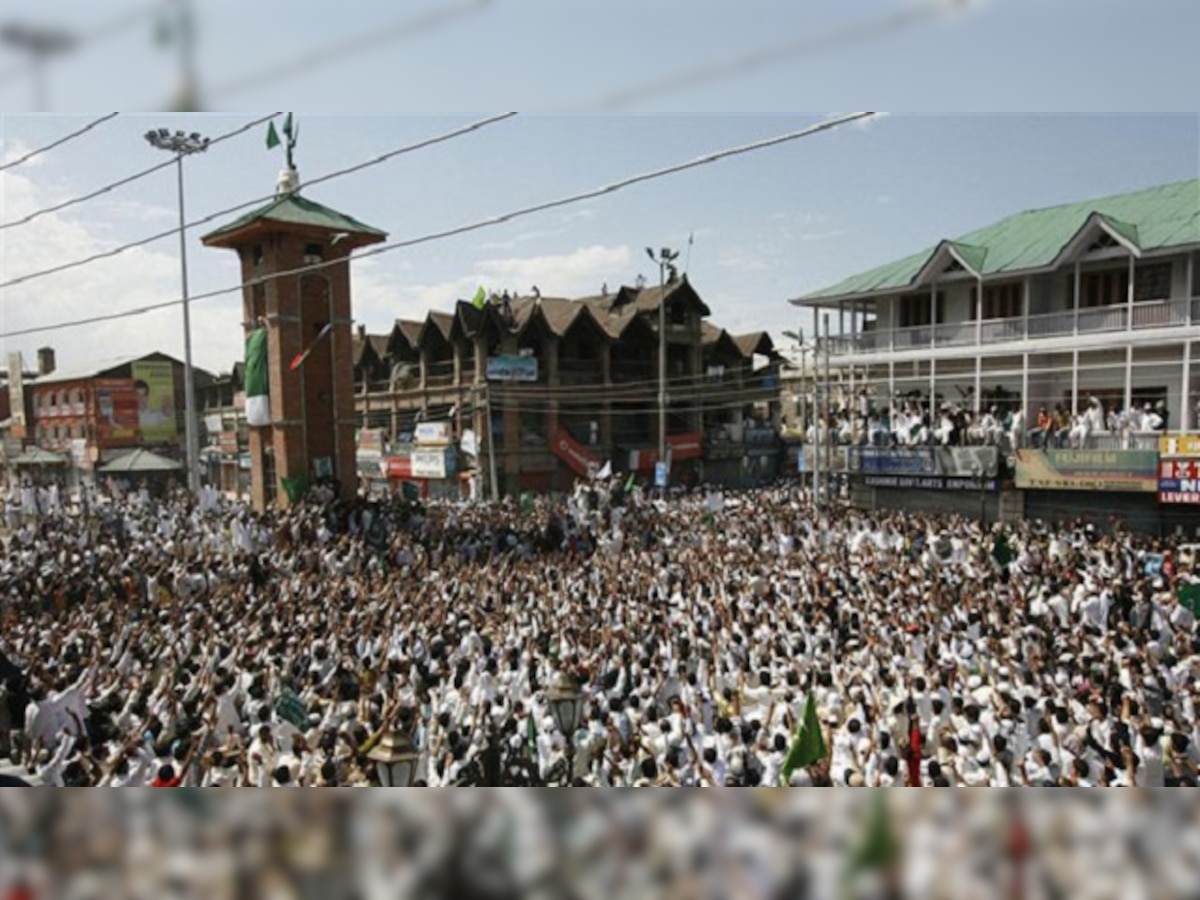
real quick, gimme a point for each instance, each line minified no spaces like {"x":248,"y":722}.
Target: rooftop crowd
{"x":169,"y":643}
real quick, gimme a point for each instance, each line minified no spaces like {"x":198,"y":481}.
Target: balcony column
{"x":1129,"y":377}
{"x":933,"y":315}
{"x":891,"y":392}
{"x":1026,"y":302}
{"x":1025,"y":405}
{"x":1075,"y":299}
{"x":1129,"y":296}
{"x":932,"y":387}
{"x":1190,"y":287}
{"x":1185,"y":389}
{"x":1075,"y":380}
{"x":978,"y":343}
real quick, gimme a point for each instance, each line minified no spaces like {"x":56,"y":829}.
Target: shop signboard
{"x":1179,"y":480}
{"x":1088,"y":470}
{"x":512,"y":368}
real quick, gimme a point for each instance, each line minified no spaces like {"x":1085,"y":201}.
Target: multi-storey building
{"x":568,"y":385}
{"x":1064,"y":337}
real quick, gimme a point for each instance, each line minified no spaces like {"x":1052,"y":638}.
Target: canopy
{"x":141,"y":461}
{"x":36,"y":456}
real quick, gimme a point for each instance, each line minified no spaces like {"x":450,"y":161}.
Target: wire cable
{"x":65,"y":139}
{"x":757,"y":59}
{"x":305,"y":63}
{"x":708,"y":159}
{"x":116,"y":251}
{"x":130,"y":179}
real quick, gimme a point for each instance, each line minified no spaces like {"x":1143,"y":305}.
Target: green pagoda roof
{"x":295,"y":209}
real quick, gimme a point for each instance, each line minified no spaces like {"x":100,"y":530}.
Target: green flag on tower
{"x":272,"y":136}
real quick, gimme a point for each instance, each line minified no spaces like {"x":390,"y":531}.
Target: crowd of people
{"x":174,"y":643}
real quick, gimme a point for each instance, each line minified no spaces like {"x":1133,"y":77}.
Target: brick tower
{"x":311,"y":434}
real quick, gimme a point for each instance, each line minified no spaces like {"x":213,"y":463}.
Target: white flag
{"x":605,"y":471}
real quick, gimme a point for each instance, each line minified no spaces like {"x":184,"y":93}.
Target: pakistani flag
{"x":258,"y":401}
{"x":809,"y":746}
{"x":1189,"y":597}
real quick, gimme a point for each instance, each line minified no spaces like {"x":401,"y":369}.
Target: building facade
{"x":1063,"y":337}
{"x":528,"y":394}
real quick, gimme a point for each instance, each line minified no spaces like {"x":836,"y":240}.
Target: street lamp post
{"x":566,"y":705}
{"x":182,"y":145}
{"x":665,"y":260}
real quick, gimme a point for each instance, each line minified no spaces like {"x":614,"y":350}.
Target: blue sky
{"x":768,"y":226}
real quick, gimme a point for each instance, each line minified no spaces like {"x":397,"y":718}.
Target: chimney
{"x":362,"y":331}
{"x":45,"y":360}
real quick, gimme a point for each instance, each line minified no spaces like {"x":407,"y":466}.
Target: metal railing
{"x":1143,"y":315}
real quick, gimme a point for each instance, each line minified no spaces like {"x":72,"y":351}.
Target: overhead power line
{"x":305,"y":63}
{"x":756,"y":59}
{"x":708,"y":159}
{"x":374,"y":161}
{"x":130,"y":179}
{"x":65,"y":139}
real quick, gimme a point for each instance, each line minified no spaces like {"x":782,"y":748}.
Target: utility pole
{"x":828,"y":405}
{"x":182,"y":145}
{"x":665,"y":260}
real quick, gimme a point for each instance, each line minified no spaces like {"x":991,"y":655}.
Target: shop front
{"x":948,"y":480}
{"x":1179,"y":485}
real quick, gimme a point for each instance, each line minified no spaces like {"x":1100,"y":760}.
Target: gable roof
{"x":410,"y":330}
{"x":1153,"y":219}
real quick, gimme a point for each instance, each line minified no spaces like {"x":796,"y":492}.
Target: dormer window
{"x":313,"y":253}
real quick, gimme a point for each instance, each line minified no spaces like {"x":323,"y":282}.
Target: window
{"x":1111,"y":288}
{"x":914,"y":310}
{"x":1152,"y":282}
{"x":1004,"y":301}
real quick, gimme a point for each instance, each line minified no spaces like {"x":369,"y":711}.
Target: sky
{"x":767,"y":226}
{"x":557,"y":55}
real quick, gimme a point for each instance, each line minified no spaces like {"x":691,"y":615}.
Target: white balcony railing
{"x":1143,"y":315}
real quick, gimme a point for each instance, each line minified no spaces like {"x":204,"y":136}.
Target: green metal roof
{"x":295,"y":209}
{"x":1152,"y":219}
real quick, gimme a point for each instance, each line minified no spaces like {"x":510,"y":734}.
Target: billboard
{"x":952,"y":462}
{"x":116,"y":412}
{"x":1088,"y":470}
{"x":512,"y":368}
{"x":16,"y":394}
{"x":1179,"y":481}
{"x":154,"y":384}
{"x":434,"y":434}
{"x":1179,"y":445}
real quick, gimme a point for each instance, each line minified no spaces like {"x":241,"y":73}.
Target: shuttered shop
{"x":1139,"y":512}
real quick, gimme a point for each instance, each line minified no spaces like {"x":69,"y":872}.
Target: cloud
{"x":136,"y":278}
{"x":578,"y":273}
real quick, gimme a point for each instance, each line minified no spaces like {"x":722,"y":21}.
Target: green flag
{"x":290,"y":707}
{"x":258,"y":402}
{"x":480,"y":299}
{"x":1189,"y":597}
{"x":294,"y":487}
{"x":287,"y":124}
{"x":531,"y":737}
{"x":809,"y":746}
{"x":879,"y":850}
{"x":272,"y":136}
{"x":630,"y":482}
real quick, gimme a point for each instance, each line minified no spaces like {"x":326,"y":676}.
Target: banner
{"x":428,"y":464}
{"x":689,"y":445}
{"x":1179,"y":481}
{"x":951,"y":462}
{"x":581,"y":460}
{"x":227,"y":443}
{"x":433,"y":434}
{"x":116,"y":412}
{"x":80,"y":457}
{"x":1179,"y":445}
{"x":512,"y":368}
{"x":933,"y":483}
{"x":155,"y":386}
{"x":16,"y":395}
{"x":1088,"y":470}
{"x":370,"y":442}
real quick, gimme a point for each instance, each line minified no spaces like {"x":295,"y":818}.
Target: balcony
{"x":1143,"y":315}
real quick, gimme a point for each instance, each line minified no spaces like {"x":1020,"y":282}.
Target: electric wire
{"x":129,"y":179}
{"x":707,"y":159}
{"x":142,"y":242}
{"x":65,"y":139}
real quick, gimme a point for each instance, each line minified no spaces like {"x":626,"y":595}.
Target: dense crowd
{"x":168,"y":643}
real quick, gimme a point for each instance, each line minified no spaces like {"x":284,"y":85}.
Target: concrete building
{"x":1086,"y":311}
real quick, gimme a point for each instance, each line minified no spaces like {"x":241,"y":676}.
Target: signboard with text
{"x":154,"y":384}
{"x":933,"y":483}
{"x":1179,"y":445}
{"x":951,"y":462}
{"x":1088,"y":470}
{"x":512,"y":368}
{"x":1179,"y":481}
{"x":434,"y":434}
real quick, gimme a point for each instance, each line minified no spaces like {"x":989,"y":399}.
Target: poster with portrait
{"x":155,"y":386}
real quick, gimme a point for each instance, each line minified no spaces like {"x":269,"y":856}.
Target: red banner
{"x":399,"y":467}
{"x":689,"y":445}
{"x":574,"y":454}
